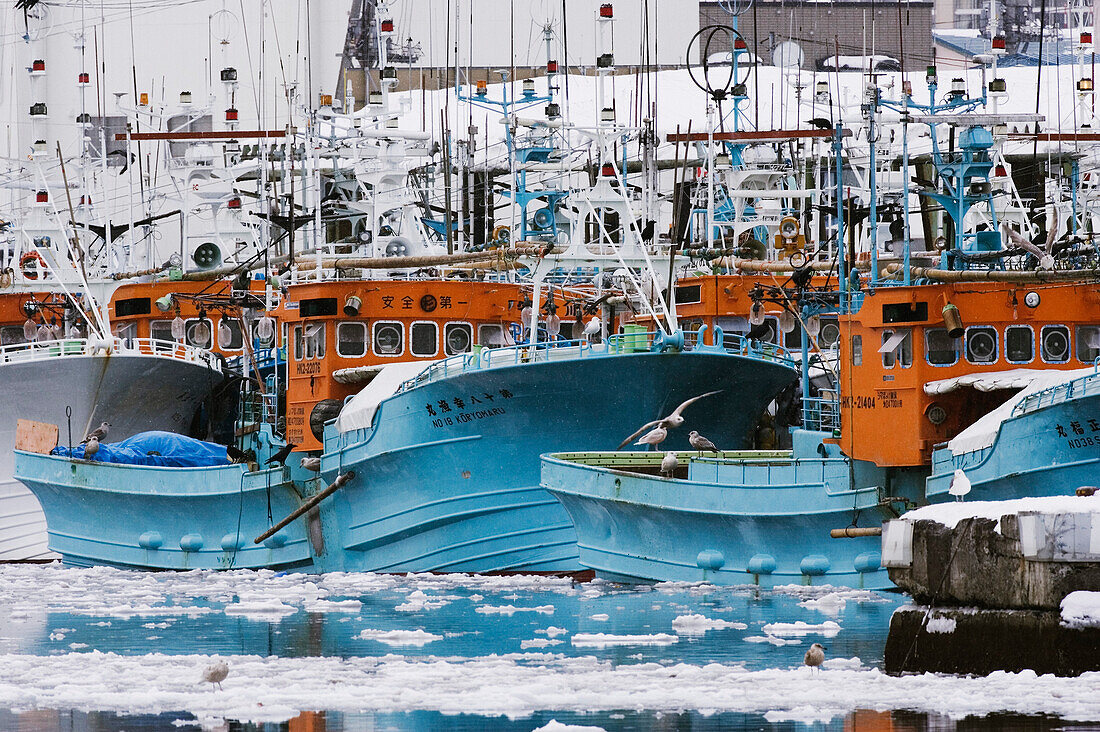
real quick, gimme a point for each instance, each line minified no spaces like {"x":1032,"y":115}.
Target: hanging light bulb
{"x":525,"y":316}
{"x":55,"y":331}
{"x":265,"y":328}
{"x":43,"y":334}
{"x":756,"y":314}
{"x":787,"y":321}
{"x":200,"y":333}
{"x":553,"y":324}
{"x":29,"y":330}
{"x":225,"y":334}
{"x":813,"y":325}
{"x":178,"y":328}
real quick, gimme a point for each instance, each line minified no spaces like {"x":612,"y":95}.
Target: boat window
{"x":897,"y":347}
{"x":351,"y":339}
{"x":490,"y":336}
{"x":888,"y":347}
{"x":940,"y":349}
{"x":829,"y":336}
{"x":857,"y":350}
{"x":1054,"y":343}
{"x":12,"y":335}
{"x":457,"y":338}
{"x":315,"y":340}
{"x":260,"y":341}
{"x":1088,"y":343}
{"x":299,"y":346}
{"x":389,"y":339}
{"x":423,"y":339}
{"x":688,"y":294}
{"x":793,"y":339}
{"x":981,"y":344}
{"x":231,"y":339}
{"x":161,"y":330}
{"x":199,"y":333}
{"x":1019,"y":344}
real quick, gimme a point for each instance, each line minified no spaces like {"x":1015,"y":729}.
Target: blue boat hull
{"x":739,"y":519}
{"x":164,"y":518}
{"x":458,"y":490}
{"x":1047,"y":452}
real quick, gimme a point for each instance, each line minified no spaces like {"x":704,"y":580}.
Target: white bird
{"x":701,"y":443}
{"x":215,"y":673}
{"x":654,"y":437}
{"x":311,"y":463}
{"x":593,"y":327}
{"x":1045,"y":260}
{"x":91,"y":447}
{"x":99,"y":432}
{"x":673,"y":420}
{"x":669,"y":464}
{"x":814,"y":657}
{"x":960,"y":484}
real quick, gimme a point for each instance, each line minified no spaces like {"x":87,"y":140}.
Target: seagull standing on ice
{"x":215,"y":673}
{"x":669,"y":464}
{"x":673,"y":420}
{"x":814,"y":657}
{"x":701,"y":443}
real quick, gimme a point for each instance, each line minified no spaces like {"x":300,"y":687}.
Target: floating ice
{"x":540,"y":643}
{"x":555,"y":726}
{"x":828,"y":629}
{"x":512,"y":610}
{"x":333,"y":606}
{"x":259,"y":607}
{"x":696,"y":624}
{"x":600,"y":640}
{"x":399,"y":637}
{"x":552,"y":632}
{"x":775,"y":641}
{"x":601,"y":617}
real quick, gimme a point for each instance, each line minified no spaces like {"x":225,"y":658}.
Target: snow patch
{"x":940,"y":625}
{"x":1081,"y":609}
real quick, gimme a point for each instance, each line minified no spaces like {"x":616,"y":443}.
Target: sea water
{"x":108,"y":649}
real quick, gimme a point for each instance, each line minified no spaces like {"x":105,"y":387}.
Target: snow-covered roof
{"x":358,"y":413}
{"x":983,"y":433}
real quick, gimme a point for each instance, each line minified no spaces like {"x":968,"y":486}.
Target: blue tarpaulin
{"x":163,"y":449}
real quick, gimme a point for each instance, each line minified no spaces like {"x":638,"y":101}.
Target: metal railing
{"x":822,"y":413}
{"x":70,"y":347}
{"x":620,"y":343}
{"x":1083,"y":386}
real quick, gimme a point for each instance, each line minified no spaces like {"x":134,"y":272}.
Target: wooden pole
{"x":340,"y":482}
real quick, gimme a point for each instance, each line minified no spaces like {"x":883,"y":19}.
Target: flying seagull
{"x":99,"y":432}
{"x":669,"y":464}
{"x":281,"y":456}
{"x":701,"y":443}
{"x":814,"y":657}
{"x":673,"y":420}
{"x":654,"y":437}
{"x":1046,"y":261}
{"x":215,"y":673}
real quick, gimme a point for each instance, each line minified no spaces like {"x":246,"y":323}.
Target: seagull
{"x":235,"y":455}
{"x":281,"y":456}
{"x":673,"y":420}
{"x":669,"y":464}
{"x":701,"y":443}
{"x":99,"y":432}
{"x":215,"y":673}
{"x":91,"y":447}
{"x":1045,"y":260}
{"x":960,"y":484}
{"x":814,"y":657}
{"x":593,"y":327}
{"x":311,"y":463}
{"x":654,"y":437}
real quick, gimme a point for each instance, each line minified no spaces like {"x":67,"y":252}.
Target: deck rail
{"x":1083,"y":386}
{"x":68,"y":347}
{"x":822,"y":413}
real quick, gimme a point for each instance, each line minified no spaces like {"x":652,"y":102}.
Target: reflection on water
{"x":859,"y":721}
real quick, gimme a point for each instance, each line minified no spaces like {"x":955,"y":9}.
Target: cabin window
{"x":315,"y":340}
{"x":127,"y":332}
{"x":768,"y":331}
{"x":233,"y":339}
{"x":829,"y":336}
{"x":132,"y":306}
{"x":1088,"y":343}
{"x":857,"y":350}
{"x":12,"y":335}
{"x":940,"y":349}
{"x":981,"y":344}
{"x":351,"y":340}
{"x":688,"y":294}
{"x":199,"y":333}
{"x":1054,"y":343}
{"x":262,"y":342}
{"x":161,"y":330}
{"x":793,"y":339}
{"x":897,"y":348}
{"x":1019,"y":344}
{"x":423,"y":339}
{"x":457,"y":338}
{"x":388,"y":339}
{"x":299,"y":345}
{"x":490,"y":336}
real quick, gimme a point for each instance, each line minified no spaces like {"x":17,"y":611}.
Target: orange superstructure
{"x":899,"y":341}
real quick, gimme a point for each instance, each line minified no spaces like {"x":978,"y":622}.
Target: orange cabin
{"x":898,"y":342}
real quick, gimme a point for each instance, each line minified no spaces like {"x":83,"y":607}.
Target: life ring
{"x":30,"y":264}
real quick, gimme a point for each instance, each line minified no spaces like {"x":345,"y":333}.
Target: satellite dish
{"x":788,"y":55}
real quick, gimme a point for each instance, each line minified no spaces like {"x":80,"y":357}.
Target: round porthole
{"x":981,"y":346}
{"x":1055,"y":345}
{"x":387,"y":338}
{"x":830,"y":335}
{"x":458,"y":340}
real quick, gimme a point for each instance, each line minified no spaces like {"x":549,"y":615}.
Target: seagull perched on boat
{"x":99,"y":432}
{"x":960,"y":484}
{"x":215,"y":673}
{"x":673,"y":420}
{"x":814,"y":657}
{"x":311,"y":463}
{"x":669,"y":464}
{"x":281,"y":456}
{"x":701,"y":443}
{"x":593,"y":328}
{"x":91,"y":447}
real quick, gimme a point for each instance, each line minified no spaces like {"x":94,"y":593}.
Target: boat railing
{"x":259,"y":408}
{"x":68,"y":347}
{"x":1083,"y":386}
{"x":633,"y":341}
{"x":822,"y":413}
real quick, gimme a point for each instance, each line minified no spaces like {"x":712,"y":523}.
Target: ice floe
{"x":399,"y":637}
{"x":602,"y":640}
{"x":512,"y":609}
{"x":828,"y":629}
{"x":696,"y":624}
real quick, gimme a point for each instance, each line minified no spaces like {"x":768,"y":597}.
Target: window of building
{"x":981,"y":344}
{"x":388,"y":339}
{"x":457,"y":338}
{"x":1054,"y":343}
{"x":1088,"y":343}
{"x":351,"y":339}
{"x":424,"y":339}
{"x":940,"y":349}
{"x":491,"y":336}
{"x":1019,"y":344}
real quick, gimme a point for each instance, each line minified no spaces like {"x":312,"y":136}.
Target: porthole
{"x":1054,"y":340}
{"x":981,"y":344}
{"x":457,"y":338}
{"x":388,"y":339}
